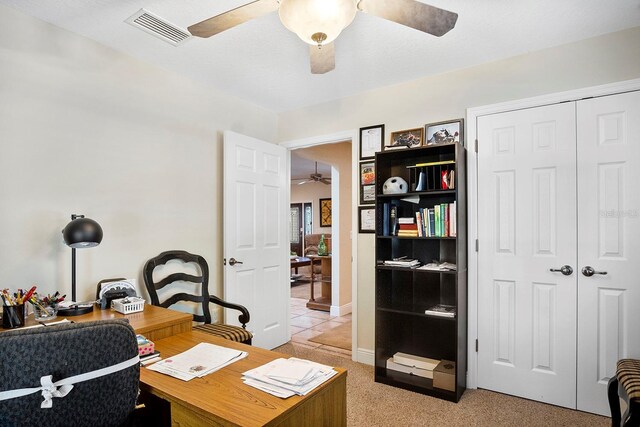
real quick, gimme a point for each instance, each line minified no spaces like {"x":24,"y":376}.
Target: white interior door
{"x":527,"y":218}
{"x":256,"y":241}
{"x":608,"y":241}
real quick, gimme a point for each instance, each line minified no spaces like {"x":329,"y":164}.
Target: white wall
{"x":600,"y":60}
{"x":85,"y":129}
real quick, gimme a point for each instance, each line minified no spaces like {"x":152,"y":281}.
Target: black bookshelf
{"x":403,"y":294}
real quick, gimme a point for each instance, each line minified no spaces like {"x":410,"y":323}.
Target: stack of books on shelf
{"x":407,"y":227}
{"x":439,"y":221}
{"x":402,"y":262}
{"x":442,"y":310}
{"x":412,"y":364}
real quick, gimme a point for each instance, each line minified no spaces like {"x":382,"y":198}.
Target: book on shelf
{"x":386,"y":207}
{"x":408,"y":233}
{"x":442,"y":310}
{"x":406,"y":220}
{"x":402,"y":227}
{"x":419,"y":223}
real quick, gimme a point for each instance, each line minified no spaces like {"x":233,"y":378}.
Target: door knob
{"x":589,"y":271}
{"x":565,"y":269}
{"x":233,"y":261}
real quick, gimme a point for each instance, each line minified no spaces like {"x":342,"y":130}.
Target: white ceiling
{"x":262,"y":62}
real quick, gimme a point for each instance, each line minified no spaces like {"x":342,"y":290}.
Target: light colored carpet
{"x":373,"y":404}
{"x":340,"y":337}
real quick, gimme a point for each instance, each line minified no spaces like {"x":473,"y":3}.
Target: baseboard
{"x":365,"y":356}
{"x":341,"y":310}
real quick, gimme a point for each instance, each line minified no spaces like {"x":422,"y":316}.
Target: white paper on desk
{"x":198,"y":361}
{"x":261,"y":377}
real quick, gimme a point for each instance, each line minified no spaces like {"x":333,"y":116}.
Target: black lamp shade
{"x":82,"y":233}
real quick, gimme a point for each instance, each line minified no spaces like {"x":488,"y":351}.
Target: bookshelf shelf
{"x":404,"y":293}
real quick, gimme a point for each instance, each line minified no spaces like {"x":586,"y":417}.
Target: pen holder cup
{"x":12,"y":316}
{"x":44,"y":313}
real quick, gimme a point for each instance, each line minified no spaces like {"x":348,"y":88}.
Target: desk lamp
{"x":80,"y":233}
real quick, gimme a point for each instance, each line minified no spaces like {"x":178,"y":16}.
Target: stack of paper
{"x":397,"y":262}
{"x":287,"y":377}
{"x":198,"y":361}
{"x":437,"y":266}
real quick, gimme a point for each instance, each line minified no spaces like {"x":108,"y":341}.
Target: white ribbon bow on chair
{"x":49,"y":390}
{"x":63,"y":387}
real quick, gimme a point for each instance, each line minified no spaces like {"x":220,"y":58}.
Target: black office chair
{"x":230,"y":332}
{"x":29,"y":356}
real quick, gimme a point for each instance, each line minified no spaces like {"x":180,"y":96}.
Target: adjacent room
{"x":233,"y":212}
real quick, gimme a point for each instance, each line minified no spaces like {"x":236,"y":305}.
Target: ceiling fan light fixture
{"x":314,"y":20}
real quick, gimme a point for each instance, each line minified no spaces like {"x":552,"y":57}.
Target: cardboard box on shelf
{"x":444,"y":375}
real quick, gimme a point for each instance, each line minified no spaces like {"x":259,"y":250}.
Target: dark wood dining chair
{"x":200,"y":295}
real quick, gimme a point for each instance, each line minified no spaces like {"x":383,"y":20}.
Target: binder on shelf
{"x":385,"y":219}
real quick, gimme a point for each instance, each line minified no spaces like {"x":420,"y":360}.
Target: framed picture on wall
{"x":445,"y":132}
{"x":366,"y":220}
{"x":367,"y":183}
{"x":325,"y":212}
{"x":371,"y":141}
{"x":367,"y":194}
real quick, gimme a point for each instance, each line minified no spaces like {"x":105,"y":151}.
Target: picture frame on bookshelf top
{"x":445,"y":132}
{"x":371,"y":141}
{"x":402,"y":139}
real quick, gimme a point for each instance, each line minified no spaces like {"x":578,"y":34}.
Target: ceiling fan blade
{"x":412,"y":13}
{"x":230,"y":19}
{"x":325,"y":181}
{"x":323,"y":60}
{"x":305,"y":181}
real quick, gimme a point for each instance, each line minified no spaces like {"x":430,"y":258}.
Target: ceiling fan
{"x":319,"y":22}
{"x":314,"y":177}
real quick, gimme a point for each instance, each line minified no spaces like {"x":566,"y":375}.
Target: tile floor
{"x":306,"y":324}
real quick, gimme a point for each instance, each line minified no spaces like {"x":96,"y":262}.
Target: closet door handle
{"x":589,"y":271}
{"x":565,"y":269}
{"x":234,"y":261}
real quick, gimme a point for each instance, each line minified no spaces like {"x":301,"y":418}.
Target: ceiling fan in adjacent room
{"x":319,"y":22}
{"x":314,"y":177}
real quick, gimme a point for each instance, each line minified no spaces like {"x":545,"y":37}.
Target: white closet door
{"x":608,"y":241}
{"x":527,"y":217}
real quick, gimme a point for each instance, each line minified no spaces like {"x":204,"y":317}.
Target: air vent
{"x":158,"y":27}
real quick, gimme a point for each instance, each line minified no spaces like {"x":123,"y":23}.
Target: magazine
{"x":442,"y":310}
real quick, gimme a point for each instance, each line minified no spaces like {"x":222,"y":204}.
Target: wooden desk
{"x":323,"y":301}
{"x":221,"y":398}
{"x":154,"y":322}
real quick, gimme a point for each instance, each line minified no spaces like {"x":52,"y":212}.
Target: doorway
{"x":324,"y":186}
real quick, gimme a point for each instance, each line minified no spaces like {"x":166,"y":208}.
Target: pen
{"x":29,"y":293}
